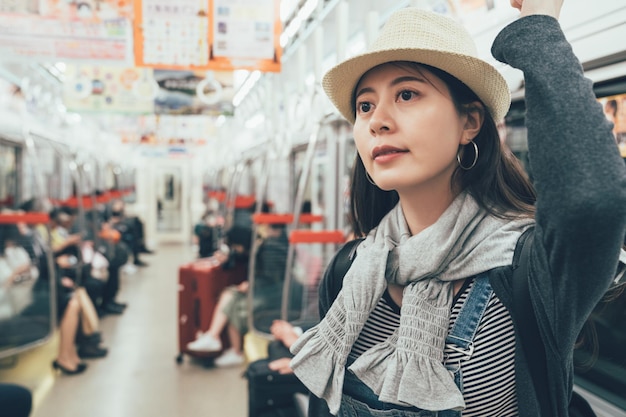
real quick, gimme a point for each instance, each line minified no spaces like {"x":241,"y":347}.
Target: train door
{"x":166,"y":200}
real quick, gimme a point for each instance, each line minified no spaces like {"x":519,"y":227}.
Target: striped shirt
{"x":488,"y":375}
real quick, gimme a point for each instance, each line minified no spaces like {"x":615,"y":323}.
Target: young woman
{"x":424,"y":323}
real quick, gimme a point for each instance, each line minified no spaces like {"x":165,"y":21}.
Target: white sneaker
{"x":205,"y":343}
{"x":229,"y":358}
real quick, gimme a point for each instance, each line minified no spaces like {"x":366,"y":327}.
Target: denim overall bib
{"x":358,"y":400}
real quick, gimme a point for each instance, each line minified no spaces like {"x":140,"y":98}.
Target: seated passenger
{"x":70,"y":308}
{"x":232,"y":307}
{"x":65,"y":243}
{"x":117,"y":254}
{"x":18,"y":275}
{"x":207,"y":233}
{"x":15,"y":259}
{"x":131,"y":229}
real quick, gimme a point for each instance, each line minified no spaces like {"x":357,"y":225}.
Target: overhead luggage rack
{"x":316,"y":236}
{"x":287,"y":218}
{"x":27,"y":218}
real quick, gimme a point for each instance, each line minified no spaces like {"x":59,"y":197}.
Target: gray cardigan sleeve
{"x":579,"y":176}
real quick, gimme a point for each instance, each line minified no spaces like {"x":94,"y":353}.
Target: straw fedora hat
{"x":417,"y":35}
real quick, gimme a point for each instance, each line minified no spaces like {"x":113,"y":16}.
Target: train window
{"x":8,"y":175}
{"x":125,"y":182}
{"x":26,"y":316}
{"x":318,"y":170}
{"x":350,"y":154}
{"x":513,"y":133}
{"x":26,"y":304}
{"x":306,"y":274}
{"x":615,"y":110}
{"x":269,"y":272}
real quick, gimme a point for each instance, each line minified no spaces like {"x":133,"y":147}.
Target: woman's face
{"x":407,"y":129}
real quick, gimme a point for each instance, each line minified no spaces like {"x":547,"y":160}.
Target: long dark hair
{"x":497,"y":182}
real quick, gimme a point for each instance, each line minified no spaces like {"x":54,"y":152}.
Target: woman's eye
{"x":365,"y":107}
{"x":406,"y":95}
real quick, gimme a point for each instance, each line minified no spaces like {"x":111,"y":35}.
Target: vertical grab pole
{"x":332,"y":191}
{"x":301,"y":66}
{"x":372,"y":27}
{"x":318,"y":54}
{"x":342,"y":30}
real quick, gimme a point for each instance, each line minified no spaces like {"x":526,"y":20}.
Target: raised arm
{"x":579,"y":175}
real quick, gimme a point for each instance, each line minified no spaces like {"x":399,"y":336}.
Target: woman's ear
{"x":475,"y":116}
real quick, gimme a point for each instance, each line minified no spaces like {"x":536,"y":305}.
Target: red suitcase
{"x":200,"y":285}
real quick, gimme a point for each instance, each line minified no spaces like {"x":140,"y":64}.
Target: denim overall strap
{"x":461,"y":336}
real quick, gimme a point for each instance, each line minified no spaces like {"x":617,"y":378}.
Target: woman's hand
{"x":284,"y":332}
{"x":281,"y":366}
{"x":220,"y":257}
{"x":546,"y":7}
{"x":66,"y":261}
{"x":67,"y":282}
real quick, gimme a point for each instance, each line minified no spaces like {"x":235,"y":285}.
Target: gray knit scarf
{"x":407,"y":369}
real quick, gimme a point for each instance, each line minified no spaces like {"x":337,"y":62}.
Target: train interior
{"x":122,"y":169}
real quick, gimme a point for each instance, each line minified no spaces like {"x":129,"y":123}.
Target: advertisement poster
{"x":157,"y":135}
{"x":19,"y":6}
{"x":171,"y":34}
{"x":257,"y":22}
{"x":109,"y":89}
{"x":221,"y":35}
{"x":86,"y":9}
{"x":48,"y":39}
{"x":178,"y":92}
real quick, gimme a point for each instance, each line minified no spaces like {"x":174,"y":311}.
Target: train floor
{"x":140,"y":377}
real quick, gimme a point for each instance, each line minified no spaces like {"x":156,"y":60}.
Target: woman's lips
{"x":386,"y":153}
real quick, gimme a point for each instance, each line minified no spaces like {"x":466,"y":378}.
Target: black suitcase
{"x":270,"y":393}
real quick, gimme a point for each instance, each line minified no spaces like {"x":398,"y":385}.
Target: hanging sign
{"x":47,"y":39}
{"x":246,"y":35}
{"x":109,"y":89}
{"x":208,"y":34}
{"x":16,"y":6}
{"x":173,"y":35}
{"x":164,"y":131}
{"x":194,"y":92}
{"x":86,"y":9}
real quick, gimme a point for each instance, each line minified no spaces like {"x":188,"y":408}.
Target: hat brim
{"x":481,"y":77}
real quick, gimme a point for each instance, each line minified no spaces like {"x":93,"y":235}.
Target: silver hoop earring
{"x":458,"y":158}
{"x":369,"y":179}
